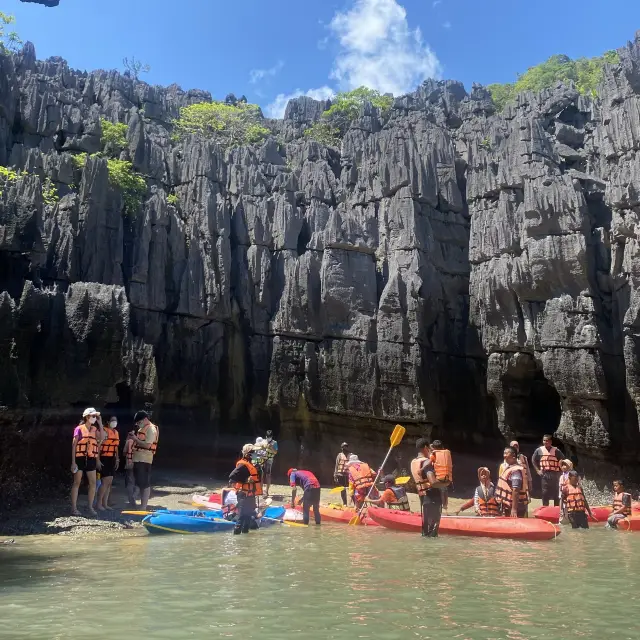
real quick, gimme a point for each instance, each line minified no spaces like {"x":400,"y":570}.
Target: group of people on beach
{"x":95,"y":450}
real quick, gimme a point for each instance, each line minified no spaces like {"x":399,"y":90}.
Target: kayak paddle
{"x":396,"y":438}
{"x":403,"y":479}
{"x":337,"y":489}
{"x":138,"y":513}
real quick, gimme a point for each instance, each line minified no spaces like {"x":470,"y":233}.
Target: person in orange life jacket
{"x":340,"y":472}
{"x":546,"y":461}
{"x":129,"y":479}
{"x":621,"y":505}
{"x":246,"y":481}
{"x":436,"y":445}
{"x":423,"y":473}
{"x":311,"y":492}
{"x":394,"y":497}
{"x":566,"y":466}
{"x":361,"y":479}
{"x":145,"y":443}
{"x":512,"y":491}
{"x":575,"y":503}
{"x":484,"y":500}
{"x":87,"y":437}
{"x":110,"y":461}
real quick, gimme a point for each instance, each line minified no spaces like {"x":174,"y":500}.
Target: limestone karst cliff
{"x":465,"y":272}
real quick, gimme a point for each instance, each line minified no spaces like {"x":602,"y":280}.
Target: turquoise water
{"x":332,"y":581}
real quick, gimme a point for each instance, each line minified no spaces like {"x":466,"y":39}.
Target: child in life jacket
{"x":621,"y":505}
{"x":574,"y":502}
{"x":443,"y":469}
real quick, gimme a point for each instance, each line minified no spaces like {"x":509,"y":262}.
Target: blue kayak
{"x":166,"y":522}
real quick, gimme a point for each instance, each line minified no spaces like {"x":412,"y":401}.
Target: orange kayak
{"x":552,"y":514}
{"x":630,"y":524}
{"x":511,"y":528}
{"x":340,"y":514}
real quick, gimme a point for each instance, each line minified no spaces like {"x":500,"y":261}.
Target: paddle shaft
{"x":375,"y":481}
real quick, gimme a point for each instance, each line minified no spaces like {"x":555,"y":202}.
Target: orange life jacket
{"x":422,"y":484}
{"x":504,"y":490}
{"x":574,"y":498}
{"x":442,"y":465}
{"x":617,"y":502}
{"x":401,"y":502}
{"x":250,"y":488}
{"x":361,"y":476}
{"x":487,"y":504}
{"x":142,"y":435}
{"x":109,"y":446}
{"x":548,"y":460}
{"x":87,"y":446}
{"x":341,"y":463}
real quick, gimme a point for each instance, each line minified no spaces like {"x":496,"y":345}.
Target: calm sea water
{"x":332,"y":581}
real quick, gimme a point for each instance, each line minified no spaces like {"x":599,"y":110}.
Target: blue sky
{"x":273,"y":50}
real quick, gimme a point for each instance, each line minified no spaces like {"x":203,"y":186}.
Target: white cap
{"x":90,"y":411}
{"x":353,"y":458}
{"x":259,"y":441}
{"x":248,"y":448}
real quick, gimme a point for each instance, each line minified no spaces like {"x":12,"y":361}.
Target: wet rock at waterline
{"x":467,"y":273}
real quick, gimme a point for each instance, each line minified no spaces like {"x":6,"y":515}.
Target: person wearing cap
{"x":271,"y":451}
{"x":245,"y":479}
{"x":340,"y":472}
{"x":393,"y":496}
{"x":311,"y":492}
{"x":87,"y":437}
{"x":484,"y":500}
{"x":522,"y":460}
{"x":145,"y":445}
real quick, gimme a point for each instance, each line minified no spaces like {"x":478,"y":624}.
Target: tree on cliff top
{"x":9,"y":41}
{"x":135,"y":67}
{"x":586,"y":74}
{"x":230,"y":125}
{"x":345,"y":109}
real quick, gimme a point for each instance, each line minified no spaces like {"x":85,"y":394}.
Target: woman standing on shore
{"x":87,"y":438}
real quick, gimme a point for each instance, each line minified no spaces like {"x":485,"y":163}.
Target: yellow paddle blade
{"x":294,"y":524}
{"x":137,"y":513}
{"x":355,"y":520}
{"x":337,"y":489}
{"x":403,"y":479}
{"x":397,"y":435}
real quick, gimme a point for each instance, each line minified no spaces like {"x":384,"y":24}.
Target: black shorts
{"x":578,"y":520}
{"x":108,"y":467}
{"x":142,"y":474}
{"x":86,"y":464}
{"x":550,"y":485}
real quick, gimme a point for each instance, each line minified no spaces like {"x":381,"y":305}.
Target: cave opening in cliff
{"x":532,"y":405}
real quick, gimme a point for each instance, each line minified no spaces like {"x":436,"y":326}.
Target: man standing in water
{"x":340,"y":473}
{"x":145,"y":444}
{"x":546,"y":462}
{"x":311,"y":495}
{"x":246,"y":481}
{"x":428,"y":487}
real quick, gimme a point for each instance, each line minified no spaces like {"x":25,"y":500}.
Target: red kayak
{"x":630,"y":524}
{"x":552,"y":514}
{"x":510,"y":528}
{"x":335,"y":513}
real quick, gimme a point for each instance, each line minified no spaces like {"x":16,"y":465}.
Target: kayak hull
{"x":340,"y":514}
{"x":158,"y":523}
{"x":504,"y":528}
{"x":552,"y":514}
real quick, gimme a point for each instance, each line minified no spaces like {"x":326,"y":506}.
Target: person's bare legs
{"x":77,"y":479}
{"x":91,"y":477}
{"x":107,"y":496}
{"x":103,"y":493}
{"x":144,"y":498}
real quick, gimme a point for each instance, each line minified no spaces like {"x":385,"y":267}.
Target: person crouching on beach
{"x":87,"y":437}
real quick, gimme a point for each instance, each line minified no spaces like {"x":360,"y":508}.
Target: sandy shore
{"x":171,"y":490}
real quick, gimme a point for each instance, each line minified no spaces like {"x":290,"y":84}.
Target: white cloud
{"x":379,"y":50}
{"x":277,"y":107}
{"x":446,"y":25}
{"x":255,"y":75}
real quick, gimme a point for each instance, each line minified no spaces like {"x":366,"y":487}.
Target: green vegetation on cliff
{"x":586,"y":73}
{"x":49,"y":190}
{"x":114,"y":136}
{"x":131,"y":184}
{"x":344,"y":110}
{"x":9,"y":40}
{"x":229,"y":125}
